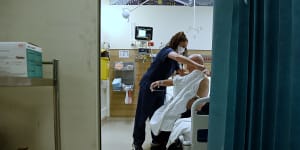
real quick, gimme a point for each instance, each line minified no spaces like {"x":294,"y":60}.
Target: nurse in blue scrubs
{"x":164,"y":65}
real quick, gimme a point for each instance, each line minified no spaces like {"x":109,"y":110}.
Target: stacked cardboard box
{"x":20,"y":59}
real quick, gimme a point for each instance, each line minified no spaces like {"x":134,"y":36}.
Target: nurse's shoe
{"x":135,"y":147}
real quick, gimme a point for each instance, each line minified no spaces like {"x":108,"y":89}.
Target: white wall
{"x":66,"y":30}
{"x":165,"y":20}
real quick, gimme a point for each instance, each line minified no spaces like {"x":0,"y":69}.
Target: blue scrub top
{"x":160,"y":69}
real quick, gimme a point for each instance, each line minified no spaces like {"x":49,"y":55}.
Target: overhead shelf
{"x":24,"y":82}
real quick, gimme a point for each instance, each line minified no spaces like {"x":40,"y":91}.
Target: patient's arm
{"x":202,"y":92}
{"x":161,"y":83}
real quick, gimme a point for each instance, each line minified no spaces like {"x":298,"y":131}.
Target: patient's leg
{"x":186,"y":114}
{"x":161,"y":141}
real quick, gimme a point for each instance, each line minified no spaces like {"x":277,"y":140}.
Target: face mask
{"x":180,"y":49}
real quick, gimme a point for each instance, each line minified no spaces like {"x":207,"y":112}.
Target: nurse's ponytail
{"x":176,"y":39}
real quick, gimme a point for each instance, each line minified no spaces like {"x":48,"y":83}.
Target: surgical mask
{"x":180,"y":49}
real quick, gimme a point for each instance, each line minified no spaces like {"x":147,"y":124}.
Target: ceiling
{"x":164,"y":2}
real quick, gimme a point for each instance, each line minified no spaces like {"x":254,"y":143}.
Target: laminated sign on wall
{"x":124,"y":54}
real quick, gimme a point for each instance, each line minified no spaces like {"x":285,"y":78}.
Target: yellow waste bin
{"x":104,"y":73}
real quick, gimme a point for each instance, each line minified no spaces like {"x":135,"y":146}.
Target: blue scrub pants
{"x":148,"y":103}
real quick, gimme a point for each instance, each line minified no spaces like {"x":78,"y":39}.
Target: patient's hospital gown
{"x":185,"y":88}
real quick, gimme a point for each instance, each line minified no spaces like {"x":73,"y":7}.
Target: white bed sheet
{"x":181,"y":127}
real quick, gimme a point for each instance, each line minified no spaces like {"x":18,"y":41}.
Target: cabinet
{"x":105,"y":98}
{"x":123,"y":76}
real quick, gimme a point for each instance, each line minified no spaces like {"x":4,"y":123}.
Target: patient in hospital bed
{"x":186,"y":90}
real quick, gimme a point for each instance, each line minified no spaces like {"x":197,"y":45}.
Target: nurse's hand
{"x":154,"y":85}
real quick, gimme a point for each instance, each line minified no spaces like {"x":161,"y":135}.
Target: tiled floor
{"x":117,"y":134}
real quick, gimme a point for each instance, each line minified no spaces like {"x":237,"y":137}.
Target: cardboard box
{"x":20,"y":59}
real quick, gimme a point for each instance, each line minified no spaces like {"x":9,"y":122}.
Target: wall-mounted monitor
{"x":143,"y":33}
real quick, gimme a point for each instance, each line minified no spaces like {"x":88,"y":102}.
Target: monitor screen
{"x":143,"y":33}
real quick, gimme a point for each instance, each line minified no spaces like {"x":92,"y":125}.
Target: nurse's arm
{"x":182,"y":59}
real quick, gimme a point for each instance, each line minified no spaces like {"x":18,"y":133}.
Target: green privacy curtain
{"x":255,"y":95}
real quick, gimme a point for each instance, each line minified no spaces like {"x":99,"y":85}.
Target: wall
{"x":67,"y":30}
{"x":166,"y":21}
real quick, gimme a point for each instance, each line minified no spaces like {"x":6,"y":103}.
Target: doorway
{"x":118,"y":36}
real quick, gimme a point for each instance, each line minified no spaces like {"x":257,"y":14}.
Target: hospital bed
{"x":198,"y":122}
